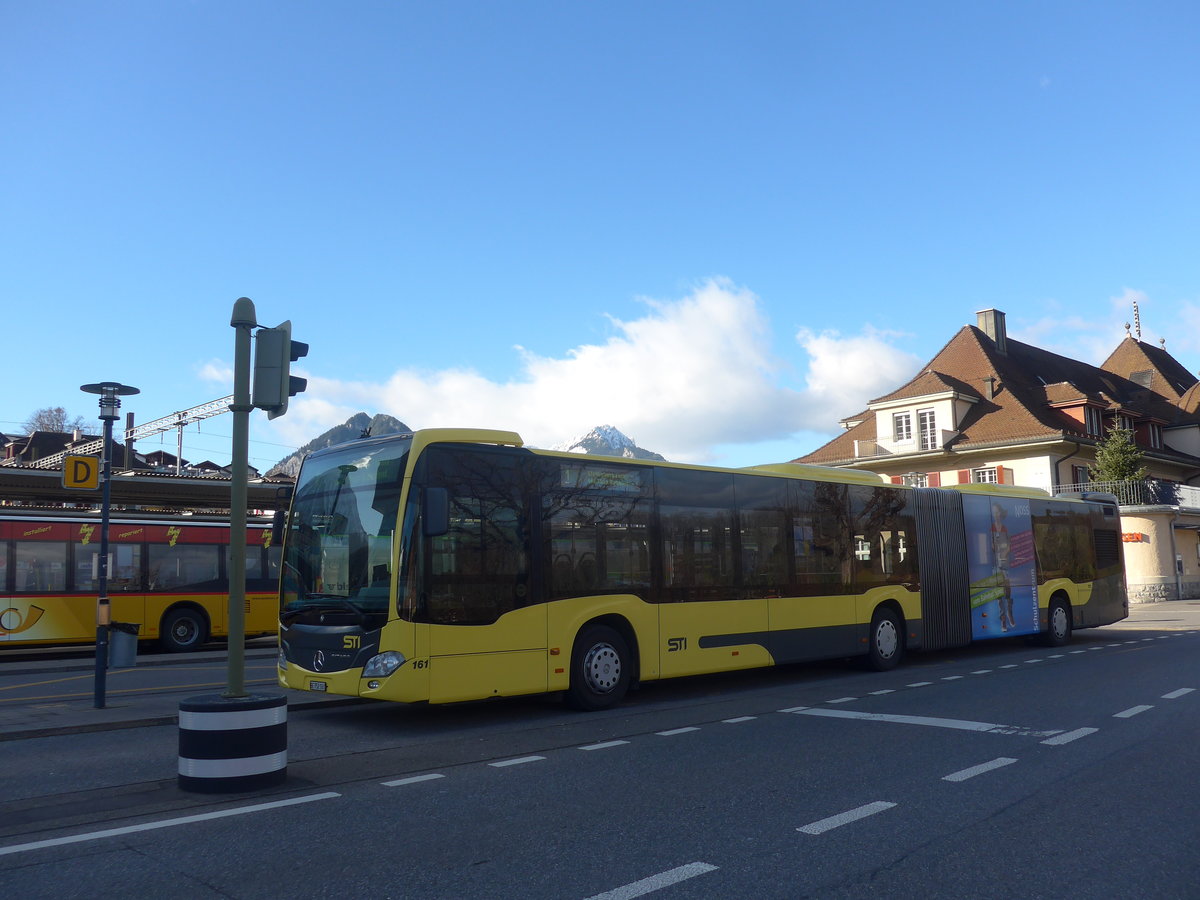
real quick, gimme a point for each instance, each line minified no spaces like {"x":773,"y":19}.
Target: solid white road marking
{"x":823,"y":825}
{"x":413,"y":779}
{"x":1070,"y":736}
{"x":1175,"y":695}
{"x":1132,"y":711}
{"x":165,"y":823}
{"x":964,"y":774}
{"x":521,"y":760}
{"x":604,"y":746}
{"x":959,"y":724}
{"x":656,"y":882}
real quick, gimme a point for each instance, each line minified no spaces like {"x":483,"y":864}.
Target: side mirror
{"x":278,"y":519}
{"x":435,"y":511}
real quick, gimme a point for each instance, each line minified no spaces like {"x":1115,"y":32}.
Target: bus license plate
{"x":317,"y":685}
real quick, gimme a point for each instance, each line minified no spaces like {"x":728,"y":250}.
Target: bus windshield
{"x":339,"y":547}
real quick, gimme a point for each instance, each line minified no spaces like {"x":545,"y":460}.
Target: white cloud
{"x":846,"y":372}
{"x":691,"y":379}
{"x":218,"y":372}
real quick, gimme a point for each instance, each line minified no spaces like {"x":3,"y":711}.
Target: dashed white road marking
{"x":823,"y":825}
{"x":738,"y":719}
{"x":1132,"y":711}
{"x":1175,"y":695}
{"x":519,"y":761}
{"x":604,"y":745}
{"x":165,"y":823}
{"x":920,"y":683}
{"x":982,"y":672}
{"x":884,"y":691}
{"x":656,"y":882}
{"x":412,"y":779}
{"x":1069,"y":736}
{"x":964,"y":774}
{"x":675,"y":731}
{"x":952,"y":677}
{"x":842,"y":700}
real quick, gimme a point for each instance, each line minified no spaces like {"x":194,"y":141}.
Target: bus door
{"x":487,"y":632}
{"x":706,"y":623}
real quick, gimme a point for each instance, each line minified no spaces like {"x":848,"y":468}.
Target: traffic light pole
{"x":245,"y":322}
{"x":237,"y":741}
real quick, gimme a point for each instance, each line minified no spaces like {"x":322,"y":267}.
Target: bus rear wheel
{"x":600,"y":669}
{"x":886,"y":642}
{"x":1058,"y":622}
{"x":183,"y":629}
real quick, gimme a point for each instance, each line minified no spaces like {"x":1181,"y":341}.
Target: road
{"x":1001,"y":770}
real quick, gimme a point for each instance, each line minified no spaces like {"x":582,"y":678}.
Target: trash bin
{"x":122,"y":644}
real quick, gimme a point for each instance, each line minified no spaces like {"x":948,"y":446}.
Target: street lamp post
{"x":110,"y":401}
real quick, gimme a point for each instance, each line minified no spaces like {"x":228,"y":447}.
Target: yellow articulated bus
{"x":167,"y":573}
{"x":451,"y":565}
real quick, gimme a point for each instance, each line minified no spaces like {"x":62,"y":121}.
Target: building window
{"x":1123,"y":422}
{"x":902,"y":427}
{"x":1080,"y":475}
{"x":925,"y":421}
{"x":1154,"y":435}
{"x":1092,"y":420}
{"x":990,"y":475}
{"x":916,"y":479}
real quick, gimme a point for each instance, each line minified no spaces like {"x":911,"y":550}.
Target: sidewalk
{"x":32,"y":702}
{"x":34,"y":699}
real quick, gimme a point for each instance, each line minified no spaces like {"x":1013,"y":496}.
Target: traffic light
{"x":274,"y":353}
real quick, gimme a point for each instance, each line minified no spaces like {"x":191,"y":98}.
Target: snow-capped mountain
{"x":605,"y":440}
{"x":348,"y":431}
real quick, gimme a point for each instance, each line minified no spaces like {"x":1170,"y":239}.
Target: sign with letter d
{"x":81,"y":472}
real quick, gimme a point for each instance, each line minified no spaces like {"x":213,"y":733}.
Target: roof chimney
{"x":991,"y":323}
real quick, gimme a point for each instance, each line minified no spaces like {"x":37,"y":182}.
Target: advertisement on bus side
{"x":1002,"y":566}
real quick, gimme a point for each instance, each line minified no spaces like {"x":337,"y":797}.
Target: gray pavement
{"x":39,"y":698}
{"x":53,"y":697}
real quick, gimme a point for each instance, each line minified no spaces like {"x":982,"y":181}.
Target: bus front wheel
{"x":600,"y":669}
{"x":886,"y":642}
{"x":183,"y":629}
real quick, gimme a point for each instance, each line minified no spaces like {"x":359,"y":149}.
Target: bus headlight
{"x":383,"y":665}
{"x":282,"y":661}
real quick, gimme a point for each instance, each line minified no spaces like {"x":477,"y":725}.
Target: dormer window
{"x":902,"y":428}
{"x":1093,"y":421}
{"x":1122,"y":422}
{"x":1154,"y":435}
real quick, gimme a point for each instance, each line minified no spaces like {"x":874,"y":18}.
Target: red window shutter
{"x":897,"y":479}
{"x":964,"y":476}
{"x":1005,"y":475}
{"x":934,"y":479}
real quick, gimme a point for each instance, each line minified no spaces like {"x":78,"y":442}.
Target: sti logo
{"x":675,"y":644}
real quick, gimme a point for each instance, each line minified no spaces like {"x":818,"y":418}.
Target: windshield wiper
{"x":321,"y":603}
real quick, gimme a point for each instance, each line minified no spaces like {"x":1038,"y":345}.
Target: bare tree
{"x":53,"y":418}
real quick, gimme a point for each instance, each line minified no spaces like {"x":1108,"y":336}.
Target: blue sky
{"x":719,"y":227}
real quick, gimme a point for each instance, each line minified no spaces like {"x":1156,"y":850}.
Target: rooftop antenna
{"x":1137,"y":320}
